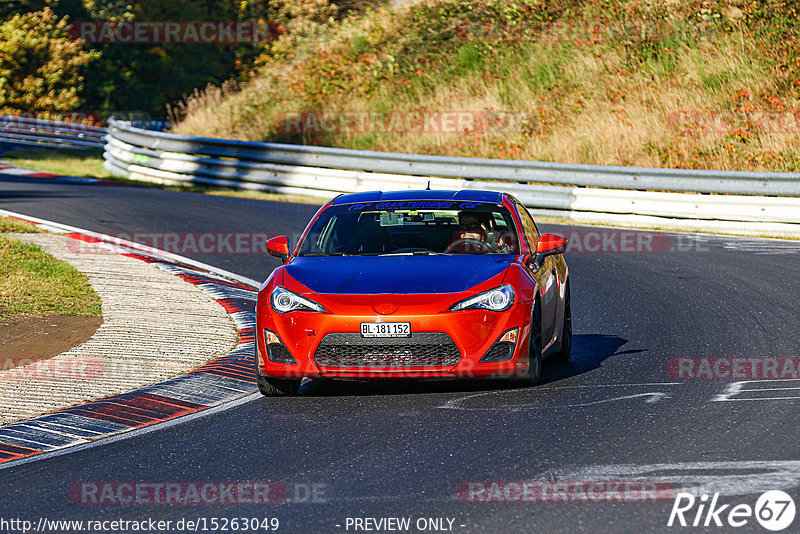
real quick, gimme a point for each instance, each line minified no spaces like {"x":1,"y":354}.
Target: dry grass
{"x":687,"y":102}
{"x":12,"y":225}
{"x":63,"y":162}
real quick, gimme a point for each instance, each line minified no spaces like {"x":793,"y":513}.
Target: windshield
{"x":411,"y":227}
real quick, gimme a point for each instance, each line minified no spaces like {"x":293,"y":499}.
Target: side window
{"x":324,"y":241}
{"x":528,"y":226}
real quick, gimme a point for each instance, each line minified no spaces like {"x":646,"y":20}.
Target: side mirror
{"x":548,"y":245}
{"x":279,"y":247}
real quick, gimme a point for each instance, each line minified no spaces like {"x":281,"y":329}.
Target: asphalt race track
{"x":402,"y":449}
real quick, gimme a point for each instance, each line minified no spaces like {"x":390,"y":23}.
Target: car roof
{"x":380,"y":196}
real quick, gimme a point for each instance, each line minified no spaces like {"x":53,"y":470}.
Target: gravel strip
{"x":155,"y":326}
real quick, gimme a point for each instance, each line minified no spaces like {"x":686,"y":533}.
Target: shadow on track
{"x":17,"y":194}
{"x":589,"y":352}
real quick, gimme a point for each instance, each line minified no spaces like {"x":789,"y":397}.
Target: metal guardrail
{"x":639,"y":178}
{"x":755,"y":203}
{"x":26,"y":131}
{"x":750,"y":203}
{"x":50,"y":134}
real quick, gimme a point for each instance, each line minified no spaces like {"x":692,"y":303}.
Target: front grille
{"x":419,"y":350}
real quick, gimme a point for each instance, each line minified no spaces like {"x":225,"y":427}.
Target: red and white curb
{"x":223,"y":380}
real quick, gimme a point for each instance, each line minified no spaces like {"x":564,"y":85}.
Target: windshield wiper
{"x":414,"y":253}
{"x":322,"y":254}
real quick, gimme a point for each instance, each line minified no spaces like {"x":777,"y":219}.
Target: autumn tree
{"x":40,"y":65}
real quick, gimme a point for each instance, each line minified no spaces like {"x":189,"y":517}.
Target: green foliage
{"x":9,"y":8}
{"x":11,"y":225}
{"x":601,"y":81}
{"x":301,"y":20}
{"x":144,"y":77}
{"x":40,"y":66}
{"x":74,"y":9}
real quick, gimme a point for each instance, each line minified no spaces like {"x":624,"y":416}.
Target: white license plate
{"x":385,"y":329}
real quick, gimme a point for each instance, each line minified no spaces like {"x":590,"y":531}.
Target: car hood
{"x":373,"y":275}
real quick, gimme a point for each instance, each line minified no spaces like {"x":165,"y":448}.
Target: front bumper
{"x":444,"y":344}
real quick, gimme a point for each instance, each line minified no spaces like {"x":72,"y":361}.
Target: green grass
{"x":359,"y":45}
{"x":259,"y":195}
{"x":714,"y":81}
{"x":34,"y":283}
{"x":11,"y":225}
{"x":65,"y":162}
{"x":468,"y":58}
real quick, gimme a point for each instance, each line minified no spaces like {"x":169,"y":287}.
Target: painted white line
{"x":651,"y":398}
{"x":758,"y":399}
{"x":733,"y":391}
{"x":127,"y":434}
{"x":590,"y":386}
{"x":158,"y":253}
{"x":732,"y":478}
{"x":774,"y":389}
{"x":455,"y":404}
{"x":768,"y":381}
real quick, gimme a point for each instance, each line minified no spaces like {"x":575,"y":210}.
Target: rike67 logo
{"x":774,"y":510}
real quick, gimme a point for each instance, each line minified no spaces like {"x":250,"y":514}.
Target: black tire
{"x":535,"y":347}
{"x":565,"y":352}
{"x":276,"y":387}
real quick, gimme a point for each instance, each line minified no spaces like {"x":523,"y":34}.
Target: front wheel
{"x":276,"y":387}
{"x":565,"y":352}
{"x":535,"y":348}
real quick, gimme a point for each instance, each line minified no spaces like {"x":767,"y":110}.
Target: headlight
{"x":497,"y":299}
{"x":284,"y":301}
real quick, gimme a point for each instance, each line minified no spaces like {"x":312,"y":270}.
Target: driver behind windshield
{"x":345,"y":231}
{"x":477,"y":234}
{"x":471,"y":235}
